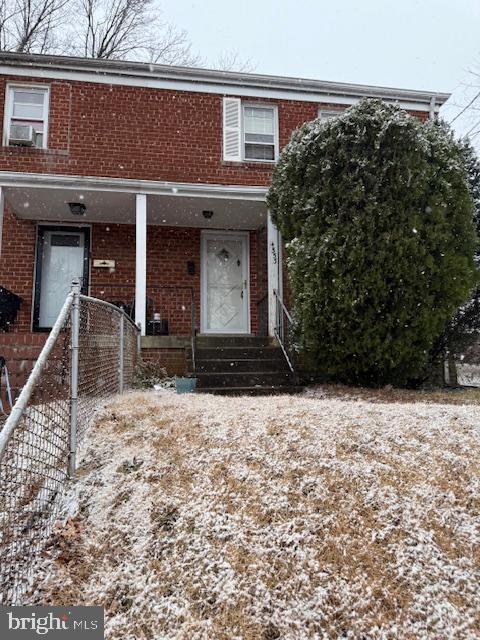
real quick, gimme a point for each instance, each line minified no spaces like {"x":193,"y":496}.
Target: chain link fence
{"x":467,"y":372}
{"x":90,"y":355}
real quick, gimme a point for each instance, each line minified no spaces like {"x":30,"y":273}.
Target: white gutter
{"x":209,"y":81}
{"x":148,"y":187}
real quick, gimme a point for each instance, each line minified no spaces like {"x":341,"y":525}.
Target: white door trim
{"x":41,"y":229}
{"x":241,"y":235}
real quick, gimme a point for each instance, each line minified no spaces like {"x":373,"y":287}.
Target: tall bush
{"x":377,"y":215}
{"x":464,"y":328}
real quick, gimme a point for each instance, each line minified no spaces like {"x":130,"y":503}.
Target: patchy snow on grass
{"x":204,"y":517}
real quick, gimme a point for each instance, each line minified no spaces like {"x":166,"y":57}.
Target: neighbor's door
{"x":225,"y":303}
{"x":62,"y":257}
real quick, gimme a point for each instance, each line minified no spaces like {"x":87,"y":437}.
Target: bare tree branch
{"x":8,"y":12}
{"x":231,"y":61}
{"x":173,"y":48}
{"x":466,"y":107}
{"x":107,"y":29}
{"x":463,"y":109}
{"x":34,"y":23}
{"x":117,"y":29}
{"x":26,"y":25}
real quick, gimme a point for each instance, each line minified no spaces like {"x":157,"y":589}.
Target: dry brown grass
{"x":388,"y":394}
{"x":292,"y":518}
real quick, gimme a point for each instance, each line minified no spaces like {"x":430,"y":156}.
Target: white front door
{"x":225,"y":273}
{"x":62,"y":259}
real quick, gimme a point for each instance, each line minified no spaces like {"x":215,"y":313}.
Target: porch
{"x":183,"y":260}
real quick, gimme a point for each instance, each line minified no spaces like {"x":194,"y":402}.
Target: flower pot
{"x":185,"y":385}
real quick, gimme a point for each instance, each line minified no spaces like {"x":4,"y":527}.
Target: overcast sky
{"x":418,"y":44}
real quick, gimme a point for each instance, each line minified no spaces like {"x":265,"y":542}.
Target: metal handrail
{"x":279,"y":329}
{"x":284,"y":308}
{"x":168,"y":287}
{"x":111,"y":306}
{"x":192,"y":336}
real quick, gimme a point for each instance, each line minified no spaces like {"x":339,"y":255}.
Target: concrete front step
{"x":255,"y":379}
{"x":241,"y":365}
{"x":204,"y":342}
{"x":238,"y":353}
{"x":231,"y":365}
{"x":252,"y":391}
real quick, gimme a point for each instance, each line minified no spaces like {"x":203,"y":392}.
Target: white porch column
{"x":141,"y":261}
{"x":274,"y":263}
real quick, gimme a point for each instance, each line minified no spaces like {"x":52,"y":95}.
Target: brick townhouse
{"x":148,"y":182}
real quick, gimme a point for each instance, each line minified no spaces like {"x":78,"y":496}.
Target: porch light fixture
{"x":207,"y":214}
{"x":77,"y":208}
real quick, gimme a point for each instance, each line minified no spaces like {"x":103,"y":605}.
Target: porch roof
{"x":45,"y":198}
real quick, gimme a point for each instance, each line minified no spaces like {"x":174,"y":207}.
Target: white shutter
{"x":232,"y":129}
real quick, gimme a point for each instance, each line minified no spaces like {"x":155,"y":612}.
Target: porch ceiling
{"x":51,"y":205}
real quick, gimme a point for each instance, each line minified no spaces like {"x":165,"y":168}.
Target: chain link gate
{"x":90,"y":355}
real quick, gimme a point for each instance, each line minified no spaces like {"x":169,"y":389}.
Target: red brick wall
{"x":173,"y":360}
{"x":168,"y":282}
{"x":17,"y":264}
{"x":132,"y":132}
{"x":20,"y":353}
{"x":137,"y":132}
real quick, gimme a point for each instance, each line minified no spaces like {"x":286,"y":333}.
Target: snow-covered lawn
{"x":312,"y":516}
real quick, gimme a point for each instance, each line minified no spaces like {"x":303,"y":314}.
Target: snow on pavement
{"x":204,"y":517}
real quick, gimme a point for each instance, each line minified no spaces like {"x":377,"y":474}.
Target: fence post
{"x":75,"y":332}
{"x":122,"y":346}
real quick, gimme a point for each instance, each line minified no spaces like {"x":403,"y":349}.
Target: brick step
{"x":244,"y":379}
{"x":239,"y":353}
{"x":229,"y":365}
{"x":210,"y":342}
{"x":252,"y":391}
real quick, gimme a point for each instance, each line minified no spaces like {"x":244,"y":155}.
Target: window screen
{"x":259,"y":132}
{"x":28,"y":107}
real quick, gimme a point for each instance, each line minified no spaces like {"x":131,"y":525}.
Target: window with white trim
{"x":259,"y":139}
{"x":26,"y":116}
{"x":250,"y":131}
{"x":328,"y":114}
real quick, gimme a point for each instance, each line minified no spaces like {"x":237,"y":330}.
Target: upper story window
{"x":26,"y":116}
{"x":328,"y":114}
{"x":259,"y":133}
{"x":250,"y":131}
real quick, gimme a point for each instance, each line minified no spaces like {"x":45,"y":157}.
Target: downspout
{"x":431,"y":113}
